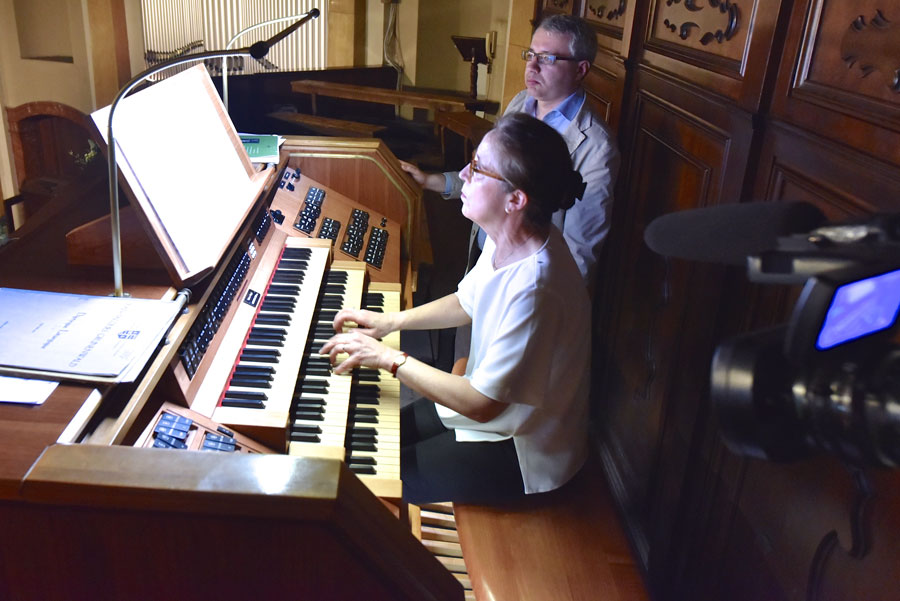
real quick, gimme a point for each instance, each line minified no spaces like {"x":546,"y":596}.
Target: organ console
{"x":299,"y":494}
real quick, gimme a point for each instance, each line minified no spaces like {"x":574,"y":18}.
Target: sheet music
{"x":25,"y":391}
{"x":173,"y":149}
{"x":79,"y":336}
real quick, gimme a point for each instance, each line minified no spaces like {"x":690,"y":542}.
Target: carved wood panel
{"x":841,"y":75}
{"x":610,"y":17}
{"x":721,"y":45}
{"x":611,"y":26}
{"x":557,"y":6}
{"x":716,"y":27}
{"x":606,"y":13}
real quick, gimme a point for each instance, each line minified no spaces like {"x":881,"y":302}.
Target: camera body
{"x":830,"y":377}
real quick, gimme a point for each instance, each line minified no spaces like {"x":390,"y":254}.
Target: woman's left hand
{"x":362,"y":350}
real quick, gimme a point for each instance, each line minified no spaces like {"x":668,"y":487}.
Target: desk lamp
{"x":257,"y":50}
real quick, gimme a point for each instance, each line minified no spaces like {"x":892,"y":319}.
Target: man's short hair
{"x":583,"y":43}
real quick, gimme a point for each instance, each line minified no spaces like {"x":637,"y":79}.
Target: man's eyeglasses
{"x":544,"y":58}
{"x":474,"y":168}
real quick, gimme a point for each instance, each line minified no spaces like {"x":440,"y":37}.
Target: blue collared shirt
{"x":561,"y":116}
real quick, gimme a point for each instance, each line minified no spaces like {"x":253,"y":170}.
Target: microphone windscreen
{"x":729,"y":233}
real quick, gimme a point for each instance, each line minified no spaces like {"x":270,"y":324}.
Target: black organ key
{"x":268,"y":332}
{"x":260,"y":355}
{"x":246,"y":395}
{"x":308,"y":428}
{"x":246,"y":404}
{"x":373,"y":299}
{"x":357,"y":468}
{"x":314,"y":386}
{"x":363,"y":446}
{"x":273,"y":320}
{"x":366,"y":394}
{"x":361,"y":459}
{"x":253,"y":370}
{"x":368,"y":375}
{"x":297,"y":253}
{"x":327,"y":315}
{"x":283,"y":290}
{"x":278,"y":305}
{"x":250,"y":382}
{"x":263,"y":341}
{"x":309,"y":416}
{"x":320,"y":372}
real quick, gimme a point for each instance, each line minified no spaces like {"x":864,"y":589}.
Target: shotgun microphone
{"x":729,"y":233}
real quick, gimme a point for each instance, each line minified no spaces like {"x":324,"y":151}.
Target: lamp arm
{"x":115,"y":223}
{"x":235,"y":37}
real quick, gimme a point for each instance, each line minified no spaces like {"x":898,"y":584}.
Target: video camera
{"x":830,"y":377}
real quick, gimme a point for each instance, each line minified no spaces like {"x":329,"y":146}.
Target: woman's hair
{"x":535,"y":159}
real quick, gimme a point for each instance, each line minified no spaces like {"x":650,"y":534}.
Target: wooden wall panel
{"x":798,"y":165}
{"x":720,"y":102}
{"x":604,"y":91}
{"x":606,"y":81}
{"x":557,"y":6}
{"x":684,"y":155}
{"x":840,"y":78}
{"x":723,"y":46}
{"x":803,"y":528}
{"x":610,"y":19}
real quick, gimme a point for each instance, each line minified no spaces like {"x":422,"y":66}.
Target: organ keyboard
{"x":250,"y":381}
{"x":321,"y":397}
{"x":265,"y":376}
{"x":373,"y":447}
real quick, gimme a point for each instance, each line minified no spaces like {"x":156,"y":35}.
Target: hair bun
{"x":574,"y":189}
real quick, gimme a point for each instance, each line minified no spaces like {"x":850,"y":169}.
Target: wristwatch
{"x":398,"y":361}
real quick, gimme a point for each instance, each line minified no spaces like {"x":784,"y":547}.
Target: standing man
{"x":562,"y":50}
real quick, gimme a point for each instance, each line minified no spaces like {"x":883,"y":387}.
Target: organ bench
{"x":565,"y":545}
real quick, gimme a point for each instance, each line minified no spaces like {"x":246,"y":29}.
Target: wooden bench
{"x":417,"y":99}
{"x":328,"y":126}
{"x":565,"y":545}
{"x":468,"y":125}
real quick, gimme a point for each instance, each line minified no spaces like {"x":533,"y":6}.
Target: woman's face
{"x":485,"y":190}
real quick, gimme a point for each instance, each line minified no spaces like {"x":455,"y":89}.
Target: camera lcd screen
{"x":861,"y":308}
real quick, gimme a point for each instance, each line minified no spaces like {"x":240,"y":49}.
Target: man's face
{"x":551,"y":83}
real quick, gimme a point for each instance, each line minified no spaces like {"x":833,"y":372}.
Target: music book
{"x":78,"y":336}
{"x":184,"y":169}
{"x":262,"y":148}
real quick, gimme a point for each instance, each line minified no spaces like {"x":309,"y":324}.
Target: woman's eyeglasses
{"x":475,"y":168}
{"x":544,"y":58}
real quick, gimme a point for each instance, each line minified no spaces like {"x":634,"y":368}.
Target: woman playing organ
{"x":516,"y":422}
